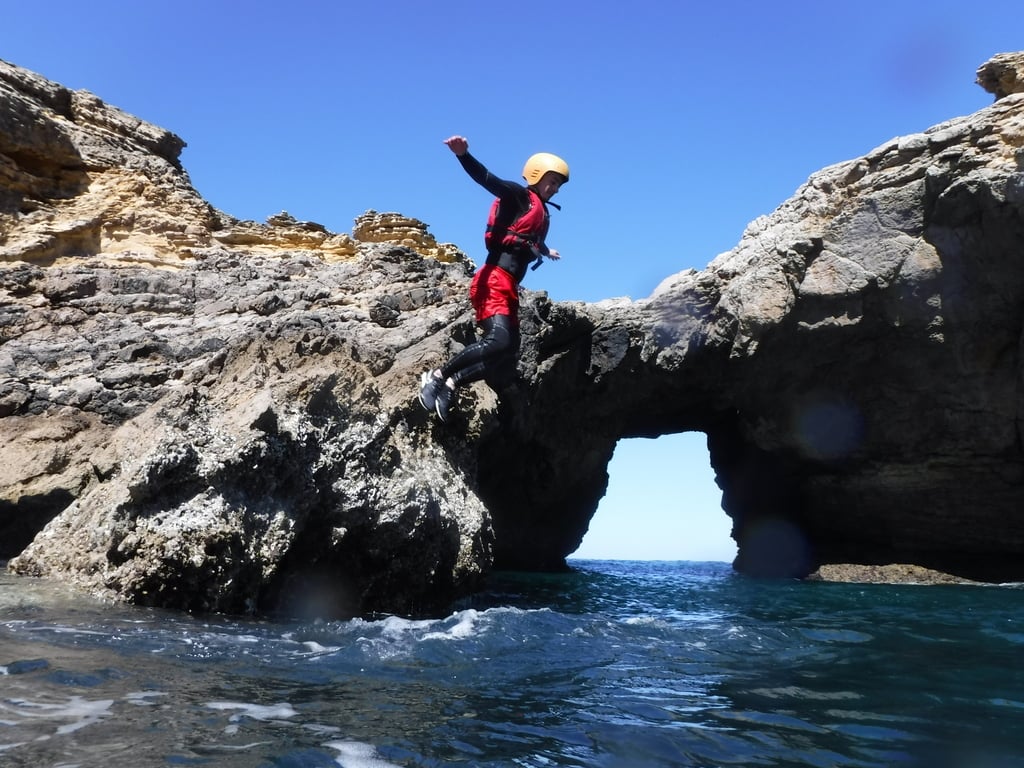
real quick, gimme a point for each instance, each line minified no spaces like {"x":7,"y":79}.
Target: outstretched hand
{"x":458,"y":145}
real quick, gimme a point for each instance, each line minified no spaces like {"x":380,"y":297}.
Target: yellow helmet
{"x":541,"y":163}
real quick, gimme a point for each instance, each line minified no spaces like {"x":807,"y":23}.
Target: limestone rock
{"x":210,"y":414}
{"x":283,"y":232}
{"x":79,"y":177}
{"x":1002,"y":74}
{"x":373,"y":227}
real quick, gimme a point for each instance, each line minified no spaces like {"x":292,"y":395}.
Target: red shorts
{"x":494,"y":292}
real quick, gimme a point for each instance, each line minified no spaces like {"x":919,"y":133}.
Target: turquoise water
{"x":615,"y":664}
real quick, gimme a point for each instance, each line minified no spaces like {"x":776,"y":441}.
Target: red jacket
{"x":518,"y":222}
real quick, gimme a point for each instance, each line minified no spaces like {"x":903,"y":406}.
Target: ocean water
{"x":613,"y":664}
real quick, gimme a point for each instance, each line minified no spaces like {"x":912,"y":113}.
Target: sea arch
{"x":662,"y":503}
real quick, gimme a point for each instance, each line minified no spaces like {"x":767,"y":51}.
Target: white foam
{"x":280,"y":711}
{"x":396,"y":626}
{"x":465,"y":626}
{"x":88,"y":711}
{"x":395,"y":637}
{"x":81,"y":712}
{"x":356,"y":754}
{"x":323,"y":730}
{"x":315,"y":649}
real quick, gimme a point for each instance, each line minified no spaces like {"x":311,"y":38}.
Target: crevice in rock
{"x":23,"y":519}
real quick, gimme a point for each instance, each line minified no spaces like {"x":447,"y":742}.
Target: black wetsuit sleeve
{"x":497,"y":187}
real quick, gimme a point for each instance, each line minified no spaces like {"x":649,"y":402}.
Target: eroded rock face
{"x":854,"y":361}
{"x":209,"y":414}
{"x":892,"y":427}
{"x":233,"y":431}
{"x":1003,"y":74}
{"x":214,"y":414}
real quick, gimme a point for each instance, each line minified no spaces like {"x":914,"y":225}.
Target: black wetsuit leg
{"x":493,"y":357}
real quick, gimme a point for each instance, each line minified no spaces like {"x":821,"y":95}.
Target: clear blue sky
{"x":681,"y":122}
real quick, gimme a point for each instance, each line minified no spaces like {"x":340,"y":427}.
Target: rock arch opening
{"x":662,"y":503}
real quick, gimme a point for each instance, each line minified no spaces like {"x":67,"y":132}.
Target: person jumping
{"x":515,"y":235}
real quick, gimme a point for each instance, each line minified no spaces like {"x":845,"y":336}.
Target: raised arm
{"x":478,"y":173}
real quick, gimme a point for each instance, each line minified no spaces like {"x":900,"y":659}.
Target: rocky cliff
{"x":211,"y":414}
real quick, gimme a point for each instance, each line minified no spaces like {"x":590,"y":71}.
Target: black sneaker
{"x":443,"y":399}
{"x":429,"y":385}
